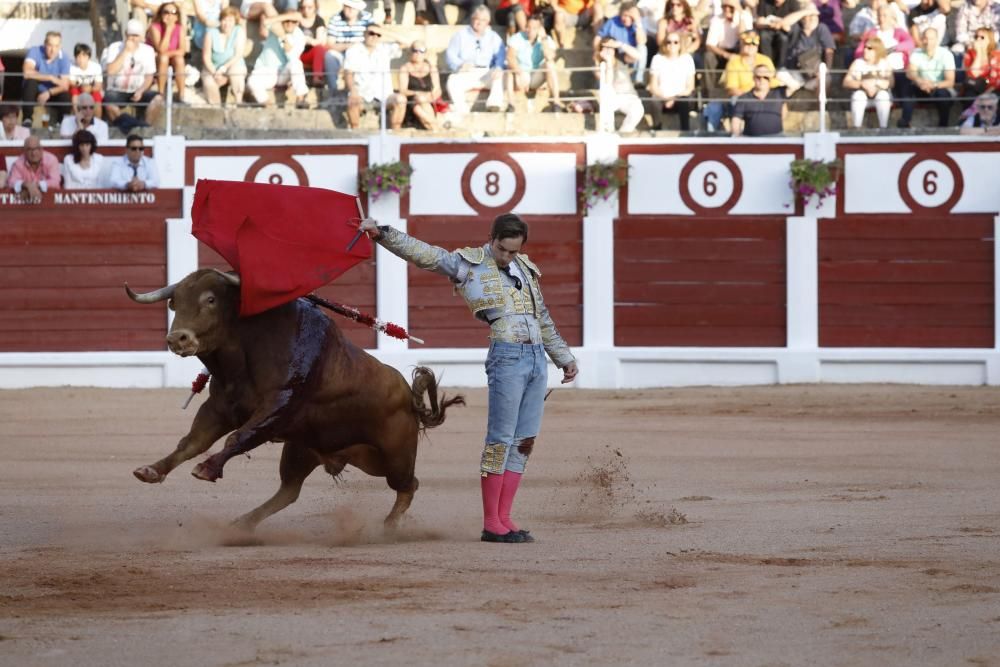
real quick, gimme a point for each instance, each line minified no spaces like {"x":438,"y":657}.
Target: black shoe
{"x":526,"y":534}
{"x":26,"y":123}
{"x":507,"y":538}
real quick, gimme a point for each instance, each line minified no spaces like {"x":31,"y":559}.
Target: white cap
{"x":135,"y":27}
{"x":355,"y":4}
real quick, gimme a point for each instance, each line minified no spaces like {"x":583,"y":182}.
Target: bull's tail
{"x":424,"y":382}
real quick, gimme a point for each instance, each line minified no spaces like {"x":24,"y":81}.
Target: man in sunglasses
{"x":368,"y":75}
{"x":501,"y":287}
{"x":84,"y":119}
{"x":986,"y":120}
{"x":133,"y":172}
{"x":762,"y":111}
{"x":129,"y":67}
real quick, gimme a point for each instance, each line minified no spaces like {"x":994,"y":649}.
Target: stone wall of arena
{"x":704,"y":270}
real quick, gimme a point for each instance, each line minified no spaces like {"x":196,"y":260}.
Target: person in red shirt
{"x":35,"y":172}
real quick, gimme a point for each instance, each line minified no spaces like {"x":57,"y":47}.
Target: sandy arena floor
{"x":797,"y":525}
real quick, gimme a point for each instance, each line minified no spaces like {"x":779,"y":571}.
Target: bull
{"x":289,"y":375}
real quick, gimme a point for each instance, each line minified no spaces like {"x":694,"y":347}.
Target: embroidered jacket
{"x":514,"y":315}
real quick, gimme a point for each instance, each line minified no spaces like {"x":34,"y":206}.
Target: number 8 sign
{"x":710,"y":185}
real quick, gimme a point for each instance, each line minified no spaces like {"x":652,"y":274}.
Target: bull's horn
{"x":151,"y":297}
{"x":231,"y":278}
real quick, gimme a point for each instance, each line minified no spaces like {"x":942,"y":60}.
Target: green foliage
{"x":388,"y":177}
{"x":815,"y":177}
{"x":601,"y":180}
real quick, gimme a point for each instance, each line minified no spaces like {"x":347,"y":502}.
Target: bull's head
{"x":204,"y":303}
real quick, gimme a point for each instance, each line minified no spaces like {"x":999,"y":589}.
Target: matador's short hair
{"x":508,"y":226}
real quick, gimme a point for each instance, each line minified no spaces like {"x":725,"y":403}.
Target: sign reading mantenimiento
{"x":85,"y":198}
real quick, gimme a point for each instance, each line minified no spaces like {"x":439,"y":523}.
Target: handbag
{"x":808,"y":62}
{"x":440,"y":105}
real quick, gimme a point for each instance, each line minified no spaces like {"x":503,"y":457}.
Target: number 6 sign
{"x":712,"y":185}
{"x":930,"y":184}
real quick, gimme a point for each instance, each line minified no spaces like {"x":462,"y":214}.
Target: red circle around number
{"x":697,"y":208}
{"x":265,"y":161}
{"x":519,"y":184}
{"x":904,"y":179}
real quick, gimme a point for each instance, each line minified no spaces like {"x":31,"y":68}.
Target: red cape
{"x":285,"y":241}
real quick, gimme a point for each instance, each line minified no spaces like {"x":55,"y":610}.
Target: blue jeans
{"x":517,"y":376}
{"x":332,"y":62}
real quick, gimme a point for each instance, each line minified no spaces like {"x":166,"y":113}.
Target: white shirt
{"x":672,"y":74}
{"x":122,"y":172}
{"x":726,"y":35}
{"x":98,"y":128}
{"x":85,"y":77}
{"x":134,"y":70}
{"x":371,"y":69}
{"x":75,"y":177}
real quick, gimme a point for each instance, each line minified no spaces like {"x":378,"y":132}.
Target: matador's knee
{"x":494,"y":459}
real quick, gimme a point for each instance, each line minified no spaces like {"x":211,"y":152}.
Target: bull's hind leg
{"x":207,"y":427}
{"x":296,"y":464}
{"x":397,"y":469}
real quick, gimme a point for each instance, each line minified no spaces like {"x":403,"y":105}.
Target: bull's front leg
{"x":207,"y":427}
{"x":260,"y":428}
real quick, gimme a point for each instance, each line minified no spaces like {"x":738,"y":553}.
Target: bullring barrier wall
{"x":703,"y":270}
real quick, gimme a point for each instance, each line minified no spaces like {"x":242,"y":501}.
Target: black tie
{"x":517,"y":281}
{"x":135,"y":170}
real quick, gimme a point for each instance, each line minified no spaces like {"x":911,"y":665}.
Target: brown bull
{"x":289,"y":375}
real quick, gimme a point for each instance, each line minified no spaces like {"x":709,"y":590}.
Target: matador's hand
{"x":569,"y":372}
{"x":370,"y":227}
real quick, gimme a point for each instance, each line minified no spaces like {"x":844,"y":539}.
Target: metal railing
{"x":829,"y":92}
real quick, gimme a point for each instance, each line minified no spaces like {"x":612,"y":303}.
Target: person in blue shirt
{"x":46,"y":79}
{"x":476,"y":56}
{"x":133,"y":172}
{"x":629,"y":39}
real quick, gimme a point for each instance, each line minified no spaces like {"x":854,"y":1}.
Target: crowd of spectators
{"x":661,"y":57}
{"x":38,"y":171}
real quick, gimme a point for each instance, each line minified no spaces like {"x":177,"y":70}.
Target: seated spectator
{"x":432,"y":11}
{"x":513,"y":14}
{"x":531,"y":62}
{"x":84,"y":119}
{"x":259,"y":10}
{"x":344,"y":31}
{"x":34,"y":172}
{"x":773,"y":30}
{"x":986,"y":120}
{"x":314,"y":28}
{"x":982,"y":64}
{"x":85,"y":76}
{"x":722,"y":41}
{"x":46,"y":79}
{"x":129,"y":67}
{"x":368,"y":76}
{"x":278,"y":62}
{"x":678,"y":18}
{"x":809,"y":44}
{"x":143,"y":11}
{"x":932,"y":76}
{"x":82,"y":168}
{"x":133,"y":172}
{"x":168,"y":37}
{"x":870,"y":77}
{"x":575,"y":14}
{"x":476,"y":57}
{"x":972,"y":15}
{"x":207,"y":15}
{"x":628,"y":38}
{"x":671,"y":79}
{"x":738,"y":79}
{"x":420,"y":84}
{"x":898,"y":46}
{"x":10,"y":130}
{"x":762,"y":111}
{"x":223,"y":62}
{"x":849,"y":10}
{"x":830,"y":15}
{"x":617,"y":88}
{"x":941,"y":16}
{"x":866,"y":18}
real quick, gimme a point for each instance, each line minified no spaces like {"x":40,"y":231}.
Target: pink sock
{"x":490,"y":485}
{"x":511,"y":480}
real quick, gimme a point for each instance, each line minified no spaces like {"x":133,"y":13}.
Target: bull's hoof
{"x":207,"y":471}
{"x":149,"y":475}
